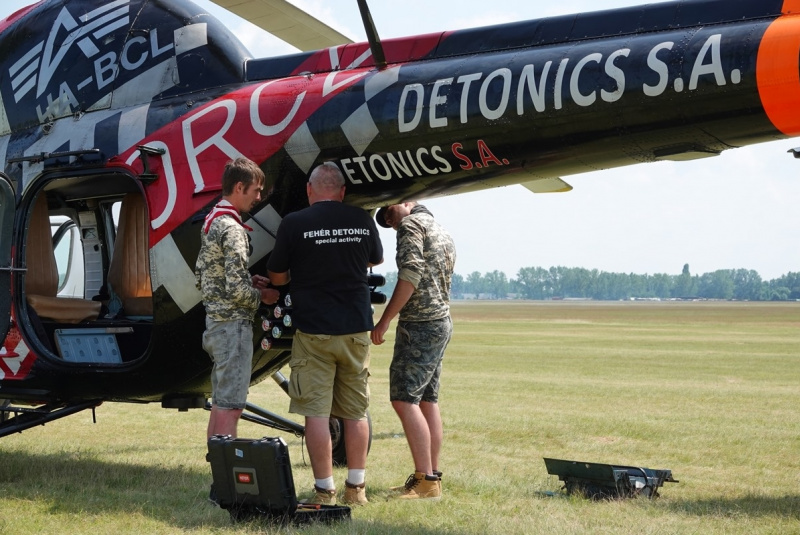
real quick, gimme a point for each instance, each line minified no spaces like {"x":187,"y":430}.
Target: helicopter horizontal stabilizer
{"x":548,"y":185}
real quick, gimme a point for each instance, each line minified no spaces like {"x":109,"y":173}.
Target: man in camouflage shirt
{"x":426,"y":257}
{"x":230,"y":295}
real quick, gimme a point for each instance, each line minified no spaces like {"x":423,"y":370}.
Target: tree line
{"x":581,"y":283}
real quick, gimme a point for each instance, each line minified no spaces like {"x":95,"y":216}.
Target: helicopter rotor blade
{"x":286,"y":22}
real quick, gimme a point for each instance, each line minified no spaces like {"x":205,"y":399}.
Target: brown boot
{"x":354,"y":494}
{"x":322,"y":497}
{"x":420,"y":486}
{"x":438,"y":474}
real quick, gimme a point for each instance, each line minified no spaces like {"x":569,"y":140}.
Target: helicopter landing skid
{"x":258,"y":415}
{"x":25,"y":417}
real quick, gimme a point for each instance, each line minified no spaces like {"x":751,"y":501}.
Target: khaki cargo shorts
{"x":329,"y":375}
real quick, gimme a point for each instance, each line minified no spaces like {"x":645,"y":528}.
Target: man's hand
{"x":269,"y":296}
{"x":378,"y":331}
{"x":260,"y":281}
{"x":400,"y":296}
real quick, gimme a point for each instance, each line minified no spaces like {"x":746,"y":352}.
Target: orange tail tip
{"x":791,"y":7}
{"x":778,"y":70}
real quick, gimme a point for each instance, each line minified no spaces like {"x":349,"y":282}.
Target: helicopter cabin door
{"x":7,"y":209}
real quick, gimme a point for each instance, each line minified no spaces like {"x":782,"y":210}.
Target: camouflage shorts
{"x":417,"y":362}
{"x":230,"y":345}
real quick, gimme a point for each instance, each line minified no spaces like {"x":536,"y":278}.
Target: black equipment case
{"x":253,"y":480}
{"x":602,"y":481}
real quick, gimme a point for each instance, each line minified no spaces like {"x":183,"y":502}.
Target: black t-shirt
{"x":326,"y":248}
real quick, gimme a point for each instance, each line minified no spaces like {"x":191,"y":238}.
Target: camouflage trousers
{"x":417,"y":361}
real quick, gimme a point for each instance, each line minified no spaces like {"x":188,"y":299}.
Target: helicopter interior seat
{"x":129,"y":272}
{"x":41,"y":280}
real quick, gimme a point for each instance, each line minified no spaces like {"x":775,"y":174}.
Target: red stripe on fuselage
{"x":14,"y":17}
{"x":399,"y":50}
{"x":254,"y":121}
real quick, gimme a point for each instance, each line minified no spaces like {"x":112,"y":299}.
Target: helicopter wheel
{"x":337,"y":440}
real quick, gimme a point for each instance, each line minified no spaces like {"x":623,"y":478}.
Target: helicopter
{"x":117,"y":118}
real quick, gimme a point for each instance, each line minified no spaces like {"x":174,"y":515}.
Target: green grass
{"x":708,"y":390}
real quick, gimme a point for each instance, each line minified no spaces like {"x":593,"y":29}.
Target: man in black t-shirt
{"x":325,"y":250}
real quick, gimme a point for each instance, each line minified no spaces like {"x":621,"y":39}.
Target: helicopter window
{"x":69,"y":256}
{"x":115,"y":212}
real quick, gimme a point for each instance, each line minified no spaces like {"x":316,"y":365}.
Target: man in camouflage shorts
{"x":426,"y":257}
{"x":230,"y":295}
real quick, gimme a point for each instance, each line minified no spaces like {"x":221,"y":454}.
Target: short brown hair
{"x":241,"y":170}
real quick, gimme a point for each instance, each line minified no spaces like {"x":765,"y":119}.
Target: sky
{"x":738,"y":210}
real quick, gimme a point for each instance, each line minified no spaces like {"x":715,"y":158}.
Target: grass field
{"x":710,"y":391}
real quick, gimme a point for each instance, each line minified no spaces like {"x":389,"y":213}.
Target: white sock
{"x":326,"y":483}
{"x":356,"y":476}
